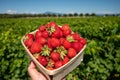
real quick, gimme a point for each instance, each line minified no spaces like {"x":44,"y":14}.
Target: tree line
{"x":5,"y":15}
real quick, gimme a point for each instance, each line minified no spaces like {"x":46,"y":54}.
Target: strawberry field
{"x":101,"y":56}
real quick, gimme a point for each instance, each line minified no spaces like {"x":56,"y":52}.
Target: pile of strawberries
{"x":53,"y":45}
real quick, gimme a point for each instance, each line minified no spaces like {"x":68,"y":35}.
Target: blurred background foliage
{"x":101,"y":56}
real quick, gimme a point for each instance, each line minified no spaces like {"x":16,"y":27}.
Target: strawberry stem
{"x":45,"y":51}
{"x":36,"y":55}
{"x":70,"y":38}
{"x":51,"y":29}
{"x":62,"y":51}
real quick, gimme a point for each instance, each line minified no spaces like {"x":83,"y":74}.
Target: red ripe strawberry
{"x":35,"y":48}
{"x":66,"y":33}
{"x":62,"y":40}
{"x":61,"y":33}
{"x":65,"y":60}
{"x":29,"y":36}
{"x":41,"y":40}
{"x":47,"y":25}
{"x":38,"y":34}
{"x":56,"y":33}
{"x":52,"y":24}
{"x":71,"y":52}
{"x":28,"y":42}
{"x":77,"y":46}
{"x":62,"y":51}
{"x":50,"y":68}
{"x":45,"y":34}
{"x":50,"y":64}
{"x":65,"y":27}
{"x":43,"y":60}
{"x":55,"y":42}
{"x":76,"y":36}
{"x":55,"y":56}
{"x":49,"y":43}
{"x":83,"y":41}
{"x":58,"y":64}
{"x":42,"y":28}
{"x":66,"y":44}
{"x":66,"y":30}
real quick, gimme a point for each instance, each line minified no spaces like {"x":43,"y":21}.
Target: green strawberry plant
{"x":101,"y":57}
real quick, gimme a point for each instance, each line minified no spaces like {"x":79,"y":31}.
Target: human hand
{"x":34,"y":74}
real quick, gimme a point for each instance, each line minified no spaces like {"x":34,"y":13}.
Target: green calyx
{"x":70,"y":38}
{"x":36,"y":55}
{"x":50,"y":63}
{"x":45,"y":51}
{"x":62,"y":51}
{"x":51,"y":29}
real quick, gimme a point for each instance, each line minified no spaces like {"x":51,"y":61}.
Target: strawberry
{"x":61,"y":33}
{"x":35,"y":48}
{"x":51,"y":30}
{"x":50,"y":64}
{"x":58,"y":64}
{"x":71,"y":52}
{"x":54,"y":42}
{"x":56,"y":33}
{"x":30,"y":36}
{"x":47,"y":25}
{"x":66,"y":44}
{"x":49,"y":68}
{"x":41,"y":40}
{"x":49,"y":43}
{"x":65,"y":27}
{"x":76,"y":36}
{"x":62,"y":40}
{"x":28,"y":42}
{"x":66,"y":30}
{"x":62,"y":51}
{"x":45,"y":34}
{"x":66,"y":33}
{"x":38,"y":34}
{"x":65,"y":60}
{"x":42,"y":60}
{"x":77,"y":46}
{"x":55,"y":56}
{"x":42,"y":28}
{"x":52,"y":24}
{"x":83,"y":41}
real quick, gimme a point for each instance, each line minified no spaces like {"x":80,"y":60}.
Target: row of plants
{"x":24,"y":15}
{"x":101,"y":56}
{"x":48,"y":15}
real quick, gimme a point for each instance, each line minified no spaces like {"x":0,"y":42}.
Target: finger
{"x":32,"y":70}
{"x":32,"y":65}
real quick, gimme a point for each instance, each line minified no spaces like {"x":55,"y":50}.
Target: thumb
{"x":34,"y":74}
